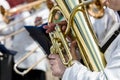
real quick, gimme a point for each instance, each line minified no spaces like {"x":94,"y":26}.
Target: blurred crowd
{"x":16,"y":42}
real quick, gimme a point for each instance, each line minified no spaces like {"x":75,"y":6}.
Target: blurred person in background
{"x":5,"y":54}
{"x":23,"y":43}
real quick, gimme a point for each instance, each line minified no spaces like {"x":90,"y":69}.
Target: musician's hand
{"x":56,"y":65}
{"x":73,"y":47}
{"x":113,"y":4}
{"x":51,"y":27}
{"x":38,"y":21}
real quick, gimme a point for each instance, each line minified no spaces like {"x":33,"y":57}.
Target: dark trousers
{"x":32,"y":75}
{"x":5,"y":67}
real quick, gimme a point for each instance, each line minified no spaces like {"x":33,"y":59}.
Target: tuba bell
{"x":79,"y":26}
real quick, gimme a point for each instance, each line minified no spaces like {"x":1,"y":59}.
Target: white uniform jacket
{"x":111,"y":71}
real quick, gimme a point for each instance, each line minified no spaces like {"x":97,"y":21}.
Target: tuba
{"x":76,"y":14}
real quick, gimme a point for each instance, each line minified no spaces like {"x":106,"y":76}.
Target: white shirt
{"x":111,"y":71}
{"x":102,"y":26}
{"x":23,"y":43}
{"x":112,"y":56}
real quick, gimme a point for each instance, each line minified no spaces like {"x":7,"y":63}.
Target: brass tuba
{"x":79,"y":26}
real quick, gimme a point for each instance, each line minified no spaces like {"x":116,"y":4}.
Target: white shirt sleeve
{"x":80,"y":72}
{"x":111,"y":71}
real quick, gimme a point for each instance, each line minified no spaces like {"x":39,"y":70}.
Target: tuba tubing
{"x":91,"y":54}
{"x":80,"y":25}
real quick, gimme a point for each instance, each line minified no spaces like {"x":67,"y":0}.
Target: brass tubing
{"x":23,"y":58}
{"x":12,"y":34}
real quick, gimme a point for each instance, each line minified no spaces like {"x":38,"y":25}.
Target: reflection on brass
{"x":96,"y":9}
{"x":81,"y":30}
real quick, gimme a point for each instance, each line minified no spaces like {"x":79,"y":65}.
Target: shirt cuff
{"x":71,"y":73}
